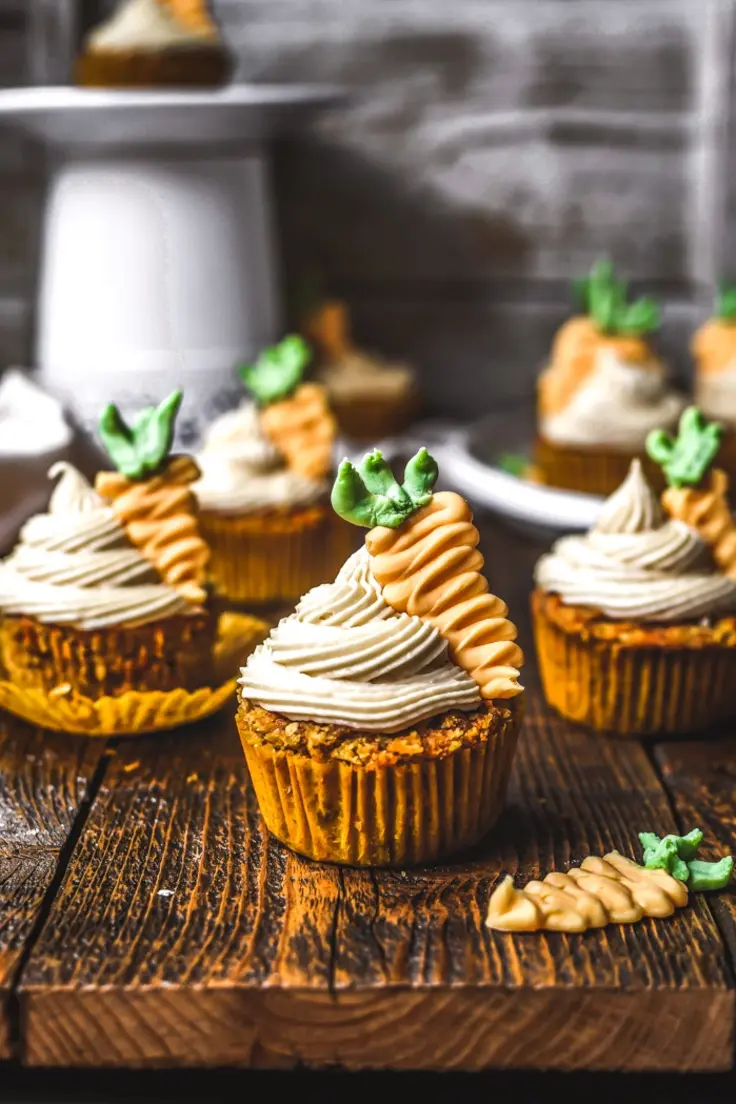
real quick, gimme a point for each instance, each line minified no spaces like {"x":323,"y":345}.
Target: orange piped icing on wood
{"x":707,"y":511}
{"x":430,"y":567}
{"x":573,"y":359}
{"x":160,"y":516}
{"x":714,"y":346}
{"x":303,"y":429}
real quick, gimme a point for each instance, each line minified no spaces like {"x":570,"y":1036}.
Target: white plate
{"x":107,"y":118}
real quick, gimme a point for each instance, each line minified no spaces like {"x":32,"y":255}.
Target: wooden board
{"x":43,"y":782}
{"x":260,"y":958}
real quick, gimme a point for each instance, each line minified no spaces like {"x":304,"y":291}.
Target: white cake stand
{"x":157,"y":263}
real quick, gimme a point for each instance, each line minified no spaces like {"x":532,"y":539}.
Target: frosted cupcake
{"x":264,"y":491}
{"x":105,"y":592}
{"x":714,"y":351}
{"x":635,"y":622}
{"x":603,"y":390}
{"x":146,"y":43}
{"x":379,"y":721}
{"x":371,"y":398}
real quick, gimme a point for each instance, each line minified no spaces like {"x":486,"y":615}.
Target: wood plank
{"x":701,"y":779}
{"x":44,"y":778}
{"x":182,"y":934}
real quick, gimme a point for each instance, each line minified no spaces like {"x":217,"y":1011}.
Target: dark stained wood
{"x":701,"y":778}
{"x":43,"y":782}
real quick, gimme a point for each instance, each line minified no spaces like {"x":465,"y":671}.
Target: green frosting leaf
{"x":278,"y":370}
{"x":371,"y":495}
{"x":606,"y":299}
{"x":726,"y":303}
{"x":686,"y":458}
{"x":139,"y":450}
{"x":676,"y":855}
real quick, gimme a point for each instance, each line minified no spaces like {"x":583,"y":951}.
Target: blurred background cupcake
{"x":263,"y":491}
{"x":603,"y":389}
{"x":146,"y":43}
{"x":714,"y":352}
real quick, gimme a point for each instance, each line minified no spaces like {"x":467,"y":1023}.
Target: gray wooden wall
{"x":492,"y":148}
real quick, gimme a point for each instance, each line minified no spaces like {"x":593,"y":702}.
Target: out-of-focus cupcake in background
{"x":372,"y":398}
{"x":264,"y":492}
{"x":603,"y":390}
{"x":147,"y":43}
{"x":714,"y":351}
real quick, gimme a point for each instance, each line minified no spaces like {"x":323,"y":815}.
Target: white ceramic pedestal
{"x":157,"y":263}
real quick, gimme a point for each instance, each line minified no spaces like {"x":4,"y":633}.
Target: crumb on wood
{"x":132,"y":766}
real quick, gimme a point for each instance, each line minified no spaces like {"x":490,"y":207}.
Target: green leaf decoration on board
{"x":606,"y":299}
{"x":278,"y":371}
{"x":676,"y":855}
{"x":726,"y":303}
{"x":139,"y":450}
{"x":685,"y":459}
{"x":371,"y":495}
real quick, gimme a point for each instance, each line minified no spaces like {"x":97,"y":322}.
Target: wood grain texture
{"x":43,"y":781}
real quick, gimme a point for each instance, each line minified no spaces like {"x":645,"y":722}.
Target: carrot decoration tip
{"x":370,"y":494}
{"x":278,"y":370}
{"x":685,"y":459}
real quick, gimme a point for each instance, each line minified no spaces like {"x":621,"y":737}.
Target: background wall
{"x":492,"y":149}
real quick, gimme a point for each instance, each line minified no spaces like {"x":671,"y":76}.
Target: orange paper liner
{"x":402,"y":814}
{"x":135,"y":713}
{"x":633,"y":689}
{"x":268,"y":557}
{"x":207,"y":66}
{"x":597,"y":471}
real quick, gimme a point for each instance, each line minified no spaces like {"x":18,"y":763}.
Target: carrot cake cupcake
{"x":264,"y":491}
{"x":105,"y":592}
{"x":379,"y":720}
{"x":635,"y":622}
{"x":603,"y":390}
{"x":371,"y":398}
{"x":714,"y":351}
{"x":146,"y":43}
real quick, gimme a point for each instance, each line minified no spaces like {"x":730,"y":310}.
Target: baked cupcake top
{"x":350,"y":374}
{"x":127,"y":552}
{"x":603,"y":384}
{"x":714,"y":350}
{"x":274,"y":452}
{"x":154,"y":25}
{"x":407,"y":631}
{"x":650,"y":559}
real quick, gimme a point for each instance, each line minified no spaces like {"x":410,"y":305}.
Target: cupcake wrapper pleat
{"x":373,"y":419}
{"x":402,"y":814}
{"x":264,"y":558}
{"x":596,"y":471}
{"x":633,"y":690}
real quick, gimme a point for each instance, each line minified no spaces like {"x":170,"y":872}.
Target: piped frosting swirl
{"x":635,"y":563}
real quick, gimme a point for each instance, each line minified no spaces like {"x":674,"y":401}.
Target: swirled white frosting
{"x":359,"y":376}
{"x":144,"y":25}
{"x":636,"y":564}
{"x":75,"y":566}
{"x":345,"y":657}
{"x":715,"y":393}
{"x":242,"y":471}
{"x":617,"y":405}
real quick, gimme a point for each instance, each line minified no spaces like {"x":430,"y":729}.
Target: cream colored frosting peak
{"x":635,"y":564}
{"x":345,"y":657}
{"x":147,"y":25}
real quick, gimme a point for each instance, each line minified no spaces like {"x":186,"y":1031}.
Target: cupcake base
{"x":596,"y":471}
{"x":634,"y":680}
{"x":357,"y":798}
{"x":202,"y":67}
{"x":279,"y":555}
{"x":372,"y":419}
{"x":165,"y":655}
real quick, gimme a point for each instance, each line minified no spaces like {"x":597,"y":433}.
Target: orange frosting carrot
{"x":430,"y":567}
{"x":329,"y":329}
{"x":160,"y":518}
{"x":303,"y":429}
{"x":714,"y":346}
{"x":707,"y":511}
{"x":194,"y":14}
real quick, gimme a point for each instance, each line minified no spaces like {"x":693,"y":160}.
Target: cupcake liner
{"x":206,"y":66}
{"x":597,"y":471}
{"x":135,"y":713}
{"x":405,"y":813}
{"x":164,"y":655}
{"x":372,"y":419}
{"x":634,"y":689}
{"x":271,"y":556}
